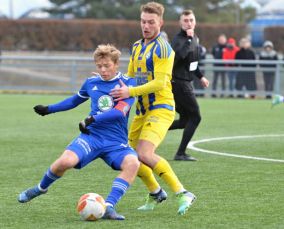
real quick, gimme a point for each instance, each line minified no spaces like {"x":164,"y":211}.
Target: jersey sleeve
{"x":67,"y":104}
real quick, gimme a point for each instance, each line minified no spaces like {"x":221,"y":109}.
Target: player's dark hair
{"x":187,"y":12}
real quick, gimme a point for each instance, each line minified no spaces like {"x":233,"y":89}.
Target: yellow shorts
{"x":152,"y":126}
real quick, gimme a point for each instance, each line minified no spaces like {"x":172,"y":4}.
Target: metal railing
{"x":66,"y":74}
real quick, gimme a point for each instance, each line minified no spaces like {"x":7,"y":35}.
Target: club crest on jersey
{"x":105,"y":103}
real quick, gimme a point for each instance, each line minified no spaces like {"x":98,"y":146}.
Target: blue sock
{"x":119,"y":187}
{"x":48,"y":178}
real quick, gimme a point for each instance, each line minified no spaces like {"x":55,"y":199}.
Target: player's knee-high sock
{"x":119,"y":187}
{"x":148,"y":178}
{"x":164,"y":170}
{"x":48,"y":178}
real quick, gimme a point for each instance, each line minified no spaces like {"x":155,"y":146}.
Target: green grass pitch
{"x":231,"y":192}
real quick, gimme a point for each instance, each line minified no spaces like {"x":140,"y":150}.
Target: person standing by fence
{"x":246,"y":78}
{"x":229,"y":53}
{"x":268,"y":53}
{"x":217,"y":52}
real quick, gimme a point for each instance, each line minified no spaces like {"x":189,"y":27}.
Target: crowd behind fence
{"x":66,"y":74}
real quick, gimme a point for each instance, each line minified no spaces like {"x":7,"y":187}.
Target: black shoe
{"x":184,"y":157}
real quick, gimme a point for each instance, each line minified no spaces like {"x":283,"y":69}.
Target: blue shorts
{"x":88,"y":148}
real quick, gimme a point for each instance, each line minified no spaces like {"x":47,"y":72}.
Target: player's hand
{"x":41,"y":110}
{"x":120,"y":93}
{"x":84,"y":123}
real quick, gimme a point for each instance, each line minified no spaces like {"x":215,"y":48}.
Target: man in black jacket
{"x":217,"y":52}
{"x":185,"y":68}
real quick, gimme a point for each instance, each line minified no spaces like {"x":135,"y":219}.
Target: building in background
{"x":271,"y":14}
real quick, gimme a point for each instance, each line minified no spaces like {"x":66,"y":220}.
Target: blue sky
{"x":20,"y":6}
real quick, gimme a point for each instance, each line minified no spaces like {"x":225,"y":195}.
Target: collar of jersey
{"x":142,"y":41}
{"x":117,"y":76}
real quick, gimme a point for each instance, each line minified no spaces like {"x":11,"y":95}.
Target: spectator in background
{"x":246,"y":78}
{"x":196,"y":81}
{"x":229,"y":53}
{"x":217,"y":52}
{"x":268,"y":53}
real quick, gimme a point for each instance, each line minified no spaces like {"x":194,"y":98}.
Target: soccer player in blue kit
{"x":104,"y":132}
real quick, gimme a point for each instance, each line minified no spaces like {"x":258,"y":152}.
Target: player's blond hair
{"x":153,"y":8}
{"x":105,"y":51}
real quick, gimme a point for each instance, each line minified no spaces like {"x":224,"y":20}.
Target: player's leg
{"x":78,"y":154}
{"x":150,"y":137}
{"x":66,"y":161}
{"x":145,"y":150}
{"x":128,"y":163}
{"x":145,"y":173}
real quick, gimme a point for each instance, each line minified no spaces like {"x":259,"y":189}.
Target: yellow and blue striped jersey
{"x":152,"y":65}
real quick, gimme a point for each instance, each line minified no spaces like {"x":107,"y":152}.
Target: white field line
{"x":191,"y":146}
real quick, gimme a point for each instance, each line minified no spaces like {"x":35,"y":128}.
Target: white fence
{"x":66,"y":74}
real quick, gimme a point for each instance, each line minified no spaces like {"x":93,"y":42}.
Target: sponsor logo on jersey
{"x":95,"y":88}
{"x":105,"y":103}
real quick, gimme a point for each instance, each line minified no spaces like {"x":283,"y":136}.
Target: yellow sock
{"x":148,"y":178}
{"x":164,"y":170}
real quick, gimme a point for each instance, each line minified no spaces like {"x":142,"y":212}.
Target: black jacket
{"x":186,"y":52}
{"x":217,"y":52}
{"x":245,"y":54}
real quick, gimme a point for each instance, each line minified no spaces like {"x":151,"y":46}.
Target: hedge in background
{"x":84,"y":35}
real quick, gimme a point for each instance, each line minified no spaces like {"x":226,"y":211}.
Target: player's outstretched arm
{"x":64,"y":105}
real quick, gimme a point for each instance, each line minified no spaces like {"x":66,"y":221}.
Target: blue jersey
{"x":98,"y":90}
{"x":111,"y":118}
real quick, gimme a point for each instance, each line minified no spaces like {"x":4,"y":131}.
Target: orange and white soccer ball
{"x":91,"y":206}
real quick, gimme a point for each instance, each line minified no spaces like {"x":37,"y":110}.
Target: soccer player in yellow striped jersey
{"x":151,"y":63}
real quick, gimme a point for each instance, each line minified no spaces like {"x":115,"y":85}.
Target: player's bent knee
{"x":131,"y":164}
{"x":66,"y":161}
{"x":146,"y":158}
